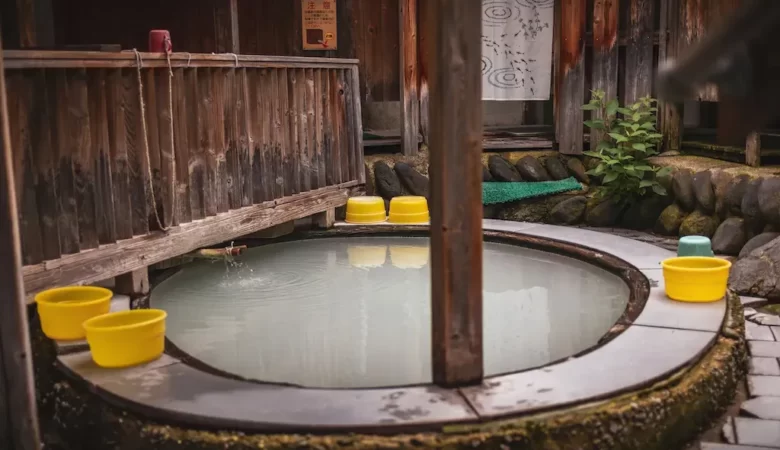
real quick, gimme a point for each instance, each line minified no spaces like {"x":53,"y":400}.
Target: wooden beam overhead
{"x":18,"y":413}
{"x":456,"y":195}
{"x":410,"y":106}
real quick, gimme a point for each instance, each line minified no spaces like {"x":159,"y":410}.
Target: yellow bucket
{"x":64,"y":310}
{"x":126,"y":338}
{"x":366,"y":210}
{"x":409,"y":210}
{"x":696,"y":278}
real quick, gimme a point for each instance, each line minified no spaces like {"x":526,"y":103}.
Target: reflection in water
{"x":355,"y":312}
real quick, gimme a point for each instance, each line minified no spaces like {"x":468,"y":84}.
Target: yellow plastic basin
{"x":126,"y":338}
{"x":366,"y":210}
{"x":696,"y":278}
{"x":64,"y":310}
{"x":409,"y":210}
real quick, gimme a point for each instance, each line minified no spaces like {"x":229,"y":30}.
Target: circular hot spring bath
{"x":355,"y":312}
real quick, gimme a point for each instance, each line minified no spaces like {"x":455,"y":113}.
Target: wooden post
{"x":753,"y":149}
{"x":18,"y":413}
{"x":325,"y":219}
{"x":410,"y":106}
{"x":456,"y":196}
{"x":605,"y":56}
{"x":135,"y":283}
{"x":670,"y":115}
{"x":639,"y":51}
{"x":226,"y":37}
{"x":570,"y":76}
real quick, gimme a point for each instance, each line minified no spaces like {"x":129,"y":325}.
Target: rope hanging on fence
{"x":139,"y":65}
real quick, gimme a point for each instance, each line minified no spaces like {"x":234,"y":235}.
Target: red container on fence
{"x":160,"y":41}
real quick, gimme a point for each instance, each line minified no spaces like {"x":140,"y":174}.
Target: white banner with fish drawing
{"x":517,"y":37}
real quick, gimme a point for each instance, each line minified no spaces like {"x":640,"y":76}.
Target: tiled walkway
{"x":757,"y":426}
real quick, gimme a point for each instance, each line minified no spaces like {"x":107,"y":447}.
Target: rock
{"x":735,"y":193}
{"x":769,"y":200}
{"x":669,"y":221}
{"x":577,"y":170}
{"x":699,"y":224}
{"x":604,"y":214}
{"x":532,"y":209}
{"x":387,"y":183}
{"x":720,"y":186}
{"x":569,"y":211}
{"x":414,"y":181}
{"x":666,"y":182}
{"x":502,"y":170}
{"x":491,"y":211}
{"x":751,"y":212}
{"x":702,"y":190}
{"x":486,"y":176}
{"x":758,"y":241}
{"x":555,"y":168}
{"x":756,"y":274}
{"x":729,"y":237}
{"x":682,"y":186}
{"x":643,"y":214}
{"x":531,"y":169}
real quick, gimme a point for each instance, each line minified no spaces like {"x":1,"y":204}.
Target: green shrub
{"x":630,"y":138}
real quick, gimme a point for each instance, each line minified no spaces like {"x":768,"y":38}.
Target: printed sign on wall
{"x":319,"y":24}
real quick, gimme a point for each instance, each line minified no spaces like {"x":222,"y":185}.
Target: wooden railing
{"x":111,"y":147}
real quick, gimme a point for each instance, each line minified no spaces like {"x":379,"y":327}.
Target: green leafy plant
{"x":629,"y":139}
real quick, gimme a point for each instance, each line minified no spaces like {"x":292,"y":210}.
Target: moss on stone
{"x":666,"y":415}
{"x":699,"y":224}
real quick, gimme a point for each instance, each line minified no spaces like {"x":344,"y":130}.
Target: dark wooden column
{"x":639,"y":50}
{"x":570,"y":75}
{"x":670,"y":116}
{"x":18,"y":416}
{"x":410,"y":106}
{"x":226,"y":26}
{"x":456,"y":194}
{"x":605,"y":55}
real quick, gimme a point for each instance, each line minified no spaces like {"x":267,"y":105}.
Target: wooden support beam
{"x":325,"y":219}
{"x":639,"y":51}
{"x":456,"y":195}
{"x":135,"y":283}
{"x":605,"y":56}
{"x":753,"y":150}
{"x":670,"y":116}
{"x":410,"y":106}
{"x":131,"y":254}
{"x":18,"y":413}
{"x":570,"y":75}
{"x":226,"y":35}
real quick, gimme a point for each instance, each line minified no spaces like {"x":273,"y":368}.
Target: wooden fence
{"x":112,"y":148}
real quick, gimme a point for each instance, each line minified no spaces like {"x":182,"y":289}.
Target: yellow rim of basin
{"x":366,"y":210}
{"x":690,"y":263}
{"x":409,"y":209}
{"x":103,"y":322}
{"x":50,"y":296}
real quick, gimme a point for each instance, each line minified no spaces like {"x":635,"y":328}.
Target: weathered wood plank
{"x":220,"y":122}
{"x":639,"y":51}
{"x":226,"y":35}
{"x":350,"y":126}
{"x":336,"y":110}
{"x":135,"y":283}
{"x":19,"y":429}
{"x":303,"y":163}
{"x":361,"y":174}
{"x":293,"y":117}
{"x":319,"y":113}
{"x":262,"y":167}
{"x":166,"y":132}
{"x":101,"y":162}
{"x":45,"y":159}
{"x":136,"y":154}
{"x":232,"y":178}
{"x":670,"y":115}
{"x":66,"y":185}
{"x":456,"y":196}
{"x":311,"y":131}
{"x":196,"y":166}
{"x":285,"y":102}
{"x":182,"y":145}
{"x":20,"y":116}
{"x":151,"y":150}
{"x":753,"y":150}
{"x":245,"y":137}
{"x":410,"y":107}
{"x":120,"y":168}
{"x":279,"y":136}
{"x":570,"y":79}
{"x":133,"y":254}
{"x":207,"y":127}
{"x":605,"y":56}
